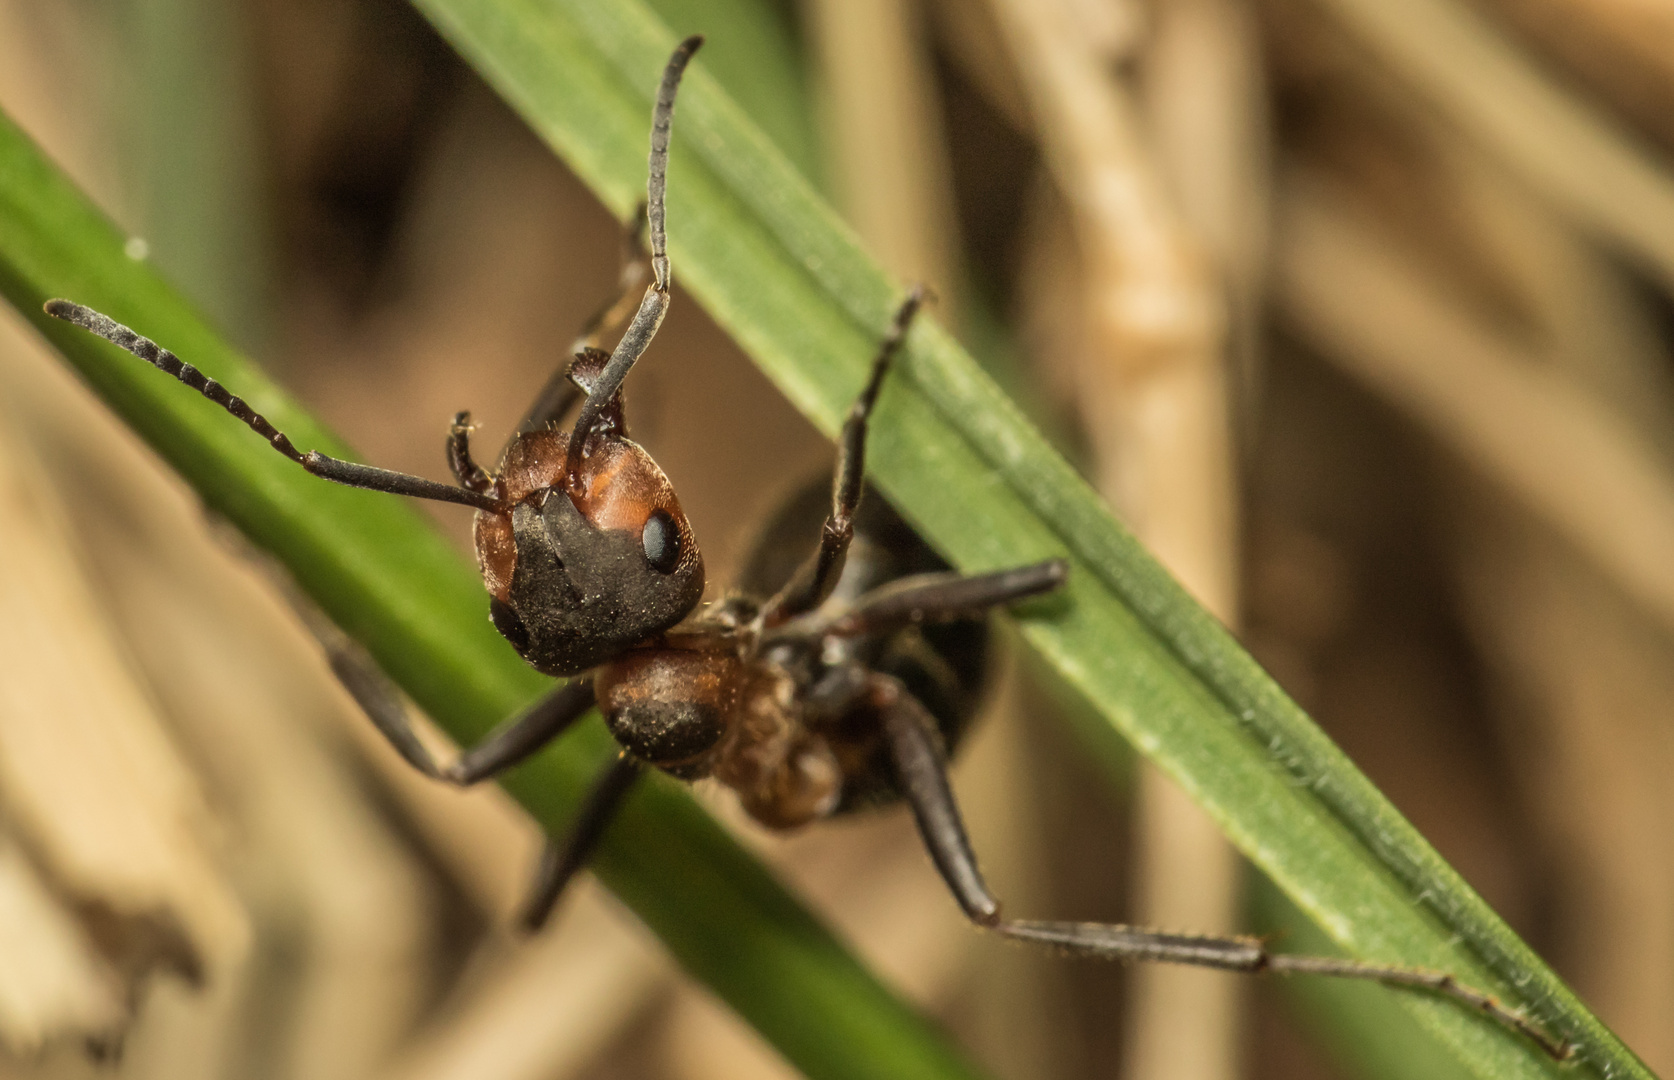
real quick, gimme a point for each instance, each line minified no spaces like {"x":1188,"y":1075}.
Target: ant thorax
{"x":698,"y":705}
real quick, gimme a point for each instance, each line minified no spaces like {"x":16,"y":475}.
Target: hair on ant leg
{"x":844,"y":683}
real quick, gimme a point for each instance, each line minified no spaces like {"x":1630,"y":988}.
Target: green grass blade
{"x":388,"y":578}
{"x":772,"y":264}
{"x":1357,"y":1024}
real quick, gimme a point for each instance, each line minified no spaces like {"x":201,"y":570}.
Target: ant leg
{"x":498,"y":751}
{"x":523,"y":734}
{"x":560,"y":392}
{"x":464,"y":467}
{"x":552,"y":402}
{"x":636,"y":265}
{"x":922,"y":775}
{"x":637,"y":338}
{"x":817,"y":577}
{"x":561,"y":861}
{"x":330,"y":468}
{"x":926,"y":598}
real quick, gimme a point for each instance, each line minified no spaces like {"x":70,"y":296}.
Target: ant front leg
{"x":505,"y":746}
{"x":817,"y":577}
{"x":921,"y":773}
{"x":523,"y":734}
{"x":636,"y":269}
{"x":502,"y":748}
{"x":562,"y":860}
{"x":470,"y":475}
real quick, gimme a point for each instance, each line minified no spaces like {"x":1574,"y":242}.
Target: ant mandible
{"x":820,"y":698}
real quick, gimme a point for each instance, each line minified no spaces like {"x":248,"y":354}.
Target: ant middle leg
{"x":921,"y":773}
{"x":925,"y":598}
{"x":818,"y":576}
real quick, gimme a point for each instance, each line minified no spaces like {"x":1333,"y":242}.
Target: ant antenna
{"x":655,"y":305}
{"x":158,"y":357}
{"x":343,"y":472}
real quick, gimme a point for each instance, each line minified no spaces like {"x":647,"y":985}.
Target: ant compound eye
{"x":661,"y":538}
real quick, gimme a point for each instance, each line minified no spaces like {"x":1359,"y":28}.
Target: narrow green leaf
{"x":391,"y":581}
{"x":772,"y":264}
{"x":1357,"y":1023}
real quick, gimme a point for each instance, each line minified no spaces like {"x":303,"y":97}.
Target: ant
{"x":822,"y":688}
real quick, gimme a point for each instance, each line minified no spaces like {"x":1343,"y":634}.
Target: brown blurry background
{"x":1357,"y":312}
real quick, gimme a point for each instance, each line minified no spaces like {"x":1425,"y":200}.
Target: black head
{"x":579,"y":575}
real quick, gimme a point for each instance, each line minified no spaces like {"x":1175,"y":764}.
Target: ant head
{"x":585,"y":550}
{"x":588,"y":561}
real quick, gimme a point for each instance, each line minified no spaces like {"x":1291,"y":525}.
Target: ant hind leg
{"x":922,"y":775}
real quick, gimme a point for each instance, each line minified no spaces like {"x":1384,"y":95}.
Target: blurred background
{"x":1358,"y":313}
